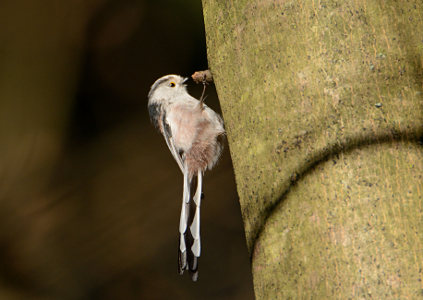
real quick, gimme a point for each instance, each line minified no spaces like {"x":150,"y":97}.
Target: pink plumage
{"x":192,"y":132}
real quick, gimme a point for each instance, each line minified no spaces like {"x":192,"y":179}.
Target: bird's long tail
{"x":189,"y":240}
{"x":183,"y":224}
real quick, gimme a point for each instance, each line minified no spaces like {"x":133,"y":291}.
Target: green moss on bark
{"x":348,"y":230}
{"x":302,"y":81}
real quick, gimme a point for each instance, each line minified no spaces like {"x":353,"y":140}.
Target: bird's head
{"x":167,"y":87}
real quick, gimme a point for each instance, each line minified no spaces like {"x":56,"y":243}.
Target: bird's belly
{"x":183,"y":137}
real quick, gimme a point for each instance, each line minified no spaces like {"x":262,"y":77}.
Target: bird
{"x":194,"y":135}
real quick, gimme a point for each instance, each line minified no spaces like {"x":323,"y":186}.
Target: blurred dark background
{"x":89,"y":193}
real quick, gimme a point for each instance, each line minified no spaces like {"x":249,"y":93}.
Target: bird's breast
{"x":184,"y":122}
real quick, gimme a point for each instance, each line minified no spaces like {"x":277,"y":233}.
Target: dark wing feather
{"x":167,"y":133}
{"x":154,"y":112}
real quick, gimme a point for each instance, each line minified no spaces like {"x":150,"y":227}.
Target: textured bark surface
{"x":322,"y":102}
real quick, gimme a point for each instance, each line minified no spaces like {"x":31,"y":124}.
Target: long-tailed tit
{"x":192,"y":132}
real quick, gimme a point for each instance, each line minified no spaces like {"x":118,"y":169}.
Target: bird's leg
{"x":202,"y":98}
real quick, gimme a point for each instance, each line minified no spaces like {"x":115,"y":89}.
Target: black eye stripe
{"x":167,"y":80}
{"x":156,"y":85}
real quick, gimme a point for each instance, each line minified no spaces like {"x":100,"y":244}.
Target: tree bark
{"x":322,"y":102}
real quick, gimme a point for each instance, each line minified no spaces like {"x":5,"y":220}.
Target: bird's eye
{"x":172,"y":84}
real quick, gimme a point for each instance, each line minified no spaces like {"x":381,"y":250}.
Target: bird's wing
{"x":167,"y":133}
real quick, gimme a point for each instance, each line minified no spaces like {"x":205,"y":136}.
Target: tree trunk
{"x":322,"y":102}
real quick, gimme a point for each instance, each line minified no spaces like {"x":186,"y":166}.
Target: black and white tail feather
{"x":189,"y":227}
{"x":192,"y":133}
